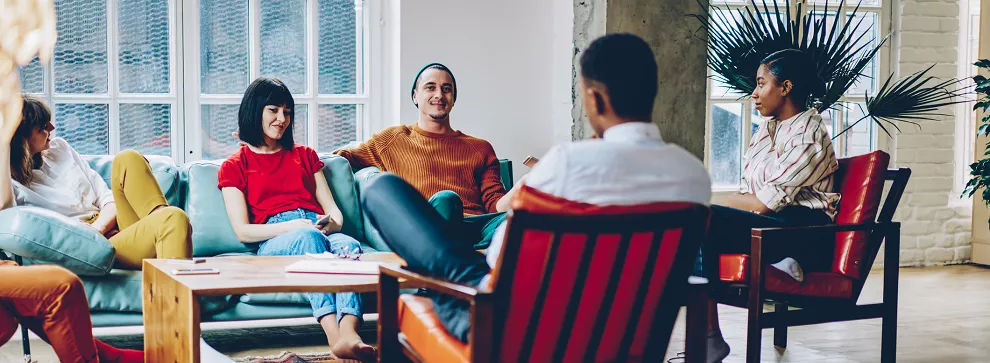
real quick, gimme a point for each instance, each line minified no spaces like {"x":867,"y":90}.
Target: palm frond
{"x":740,"y":39}
{"x":915,"y":97}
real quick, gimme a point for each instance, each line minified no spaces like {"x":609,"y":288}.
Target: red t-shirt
{"x":273,"y":183}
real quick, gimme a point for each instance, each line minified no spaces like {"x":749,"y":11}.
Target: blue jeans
{"x":311,"y":240}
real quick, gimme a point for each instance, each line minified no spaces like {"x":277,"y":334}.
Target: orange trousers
{"x":51,"y":302}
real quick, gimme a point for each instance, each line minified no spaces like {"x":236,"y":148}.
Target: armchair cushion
{"x":426,"y":334}
{"x":42,"y":236}
{"x":860,"y":180}
{"x":734,"y":268}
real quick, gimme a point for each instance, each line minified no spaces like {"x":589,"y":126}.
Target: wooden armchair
{"x":824,"y":296}
{"x":604,"y":287}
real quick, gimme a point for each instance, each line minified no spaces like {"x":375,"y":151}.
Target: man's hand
{"x":330,"y":227}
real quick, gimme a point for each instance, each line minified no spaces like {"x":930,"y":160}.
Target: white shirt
{"x":794,"y":164}
{"x":630,"y":165}
{"x":65,"y":183}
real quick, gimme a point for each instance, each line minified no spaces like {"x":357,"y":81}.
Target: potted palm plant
{"x":738,"y":40}
{"x":980,"y":170}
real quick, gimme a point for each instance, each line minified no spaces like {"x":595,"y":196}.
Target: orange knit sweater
{"x":433,"y":162}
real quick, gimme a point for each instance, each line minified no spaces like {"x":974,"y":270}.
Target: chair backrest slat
{"x":593,"y":288}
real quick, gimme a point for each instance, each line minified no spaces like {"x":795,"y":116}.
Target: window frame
{"x":883,"y":61}
{"x":184,"y":98}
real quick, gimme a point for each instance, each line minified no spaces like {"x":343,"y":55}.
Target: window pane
{"x":337,"y":126}
{"x":868,"y":30}
{"x":299,"y":125}
{"x":145,"y":128}
{"x":724,"y":162}
{"x":33,"y":77}
{"x":724,"y":18}
{"x":859,"y":138}
{"x":848,"y":2}
{"x":754,"y":121}
{"x":338,"y":57}
{"x":283,"y":42}
{"x":84,"y":126}
{"x":224,"y":66}
{"x":143,"y":47}
{"x":829,"y":119}
{"x":81,"y":50}
{"x":219,"y":122}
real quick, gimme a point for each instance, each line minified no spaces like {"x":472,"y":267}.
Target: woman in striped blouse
{"x":788,"y":175}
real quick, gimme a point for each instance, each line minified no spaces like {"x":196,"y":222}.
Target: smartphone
{"x":324,"y":221}
{"x":530,"y":161}
{"x":187,"y":261}
{"x":196,"y":271}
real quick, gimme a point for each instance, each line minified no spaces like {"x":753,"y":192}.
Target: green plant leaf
{"x":982,"y":104}
{"x":978,"y":78}
{"x":983,"y":63}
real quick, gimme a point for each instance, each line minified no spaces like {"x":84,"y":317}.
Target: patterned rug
{"x":289,"y":357}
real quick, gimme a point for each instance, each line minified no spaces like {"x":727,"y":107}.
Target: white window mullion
{"x":254,"y":38}
{"x":190,"y":84}
{"x":312,"y":72}
{"x":177,"y":129}
{"x":112,"y":76}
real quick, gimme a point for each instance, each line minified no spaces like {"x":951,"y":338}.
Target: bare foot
{"x":354,"y":349}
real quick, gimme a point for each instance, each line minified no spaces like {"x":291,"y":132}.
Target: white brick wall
{"x":936,"y":228}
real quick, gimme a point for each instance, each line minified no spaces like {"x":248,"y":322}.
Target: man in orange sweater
{"x":459,"y":173}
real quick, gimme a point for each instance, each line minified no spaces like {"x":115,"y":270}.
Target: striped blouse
{"x":792,"y":162}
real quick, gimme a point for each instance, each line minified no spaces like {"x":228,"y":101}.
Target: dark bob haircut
{"x":263,"y":92}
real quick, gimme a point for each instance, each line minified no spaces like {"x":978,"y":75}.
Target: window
{"x":733,"y":119}
{"x":166,"y":77}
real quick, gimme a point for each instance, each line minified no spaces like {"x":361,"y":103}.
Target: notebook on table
{"x":345,"y":267}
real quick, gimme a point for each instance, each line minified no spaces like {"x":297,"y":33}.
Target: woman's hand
{"x":297,"y":224}
{"x":331,"y":227}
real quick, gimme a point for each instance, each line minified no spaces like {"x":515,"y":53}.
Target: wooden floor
{"x":944,"y":317}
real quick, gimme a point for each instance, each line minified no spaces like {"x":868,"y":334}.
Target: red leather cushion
{"x":860,"y":182}
{"x":426,"y":334}
{"x":817,"y":284}
{"x":733,"y":268}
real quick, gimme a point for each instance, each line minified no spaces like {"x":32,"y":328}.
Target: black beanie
{"x":412,"y":93}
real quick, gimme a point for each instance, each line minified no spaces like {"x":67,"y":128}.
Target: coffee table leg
{"x":171,"y":319}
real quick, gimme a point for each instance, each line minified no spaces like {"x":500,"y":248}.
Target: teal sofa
{"x":115,"y":295}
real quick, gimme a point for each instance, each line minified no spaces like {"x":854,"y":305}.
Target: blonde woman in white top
{"x":132,"y":212}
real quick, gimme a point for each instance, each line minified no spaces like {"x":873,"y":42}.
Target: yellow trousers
{"x":149,"y":227}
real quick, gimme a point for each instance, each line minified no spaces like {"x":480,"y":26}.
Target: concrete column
{"x":679,"y":42}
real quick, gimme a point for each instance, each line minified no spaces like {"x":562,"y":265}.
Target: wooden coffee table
{"x":171,"y":303}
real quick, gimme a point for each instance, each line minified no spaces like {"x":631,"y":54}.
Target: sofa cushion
{"x":163,"y":167}
{"x":212,"y":234}
{"x":118,"y":291}
{"x":426,"y":334}
{"x":341,"y":180}
{"x":46,"y":237}
{"x":121,"y":291}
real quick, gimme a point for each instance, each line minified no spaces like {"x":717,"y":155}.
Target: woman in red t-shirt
{"x":275,"y":193}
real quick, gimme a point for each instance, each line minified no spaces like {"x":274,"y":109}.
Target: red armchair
{"x":602,"y":287}
{"x":824,"y":296}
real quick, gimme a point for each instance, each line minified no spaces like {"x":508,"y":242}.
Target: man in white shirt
{"x":629,"y":165}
